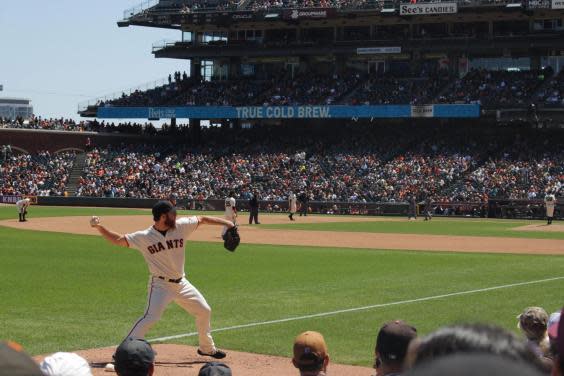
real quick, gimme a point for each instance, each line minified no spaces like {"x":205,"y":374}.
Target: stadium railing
{"x":143,"y":87}
{"x":134,"y":11}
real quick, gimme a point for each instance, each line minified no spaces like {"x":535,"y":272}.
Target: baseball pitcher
{"x":163,"y":245}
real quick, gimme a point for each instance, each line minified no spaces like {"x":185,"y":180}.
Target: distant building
{"x":11,"y":108}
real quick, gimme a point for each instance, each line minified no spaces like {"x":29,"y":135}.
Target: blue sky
{"x":61,"y":52}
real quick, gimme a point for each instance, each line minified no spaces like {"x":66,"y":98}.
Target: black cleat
{"x":218,"y":354}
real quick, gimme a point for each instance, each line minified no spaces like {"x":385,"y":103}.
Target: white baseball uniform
{"x":165,"y":256}
{"x":230,"y":211}
{"x":550,"y":203}
{"x":293,"y":203}
{"x":22,"y":205}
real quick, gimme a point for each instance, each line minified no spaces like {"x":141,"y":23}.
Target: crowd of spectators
{"x":552,"y":95}
{"x":357,"y":163}
{"x":48,"y":124}
{"x":428,"y":84}
{"x":41,"y":174}
{"x":495,"y":89}
{"x":304,"y":89}
{"x":299,"y":4}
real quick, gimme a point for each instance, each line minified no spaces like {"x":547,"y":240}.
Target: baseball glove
{"x":231,"y":239}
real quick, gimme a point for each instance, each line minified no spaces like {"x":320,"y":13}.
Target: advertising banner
{"x":291,"y":112}
{"x":427,"y":8}
{"x":379,"y":50}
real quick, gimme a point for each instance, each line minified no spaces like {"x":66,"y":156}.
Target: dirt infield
{"x":257,"y":235}
{"x":177,"y":360}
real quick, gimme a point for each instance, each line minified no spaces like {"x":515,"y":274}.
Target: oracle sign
{"x":430,"y":8}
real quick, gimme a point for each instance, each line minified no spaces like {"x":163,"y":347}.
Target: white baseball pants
{"x":161,"y":294}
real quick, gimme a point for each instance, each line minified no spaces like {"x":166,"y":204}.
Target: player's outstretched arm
{"x":215,"y":221}
{"x":112,"y":237}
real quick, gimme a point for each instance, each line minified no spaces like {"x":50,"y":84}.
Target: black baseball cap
{"x":15,"y":362}
{"x":133,"y":356}
{"x":160,"y":208}
{"x":393,"y":340}
{"x":215,"y":369}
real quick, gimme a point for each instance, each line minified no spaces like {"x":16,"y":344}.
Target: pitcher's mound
{"x":182,"y":360}
{"x":542,"y":227}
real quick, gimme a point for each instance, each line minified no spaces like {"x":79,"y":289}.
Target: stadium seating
{"x":357,"y":164}
{"x":41,"y":174}
{"x":491,"y":89}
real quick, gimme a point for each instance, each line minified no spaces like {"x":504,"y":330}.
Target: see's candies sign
{"x":427,"y":8}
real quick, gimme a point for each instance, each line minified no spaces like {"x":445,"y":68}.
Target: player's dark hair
{"x":475,"y":338}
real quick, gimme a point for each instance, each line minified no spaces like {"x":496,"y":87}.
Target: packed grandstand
{"x":346,"y":163}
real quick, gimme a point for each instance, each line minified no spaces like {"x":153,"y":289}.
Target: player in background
{"x":550,"y":204}
{"x":230,"y":210}
{"x":292,"y":205}
{"x":22,"y":206}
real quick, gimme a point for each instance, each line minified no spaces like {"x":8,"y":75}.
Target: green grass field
{"x":69,"y":292}
{"x":438,"y":226}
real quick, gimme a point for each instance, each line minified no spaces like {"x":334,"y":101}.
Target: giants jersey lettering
{"x":229,"y":206}
{"x":165,"y":255}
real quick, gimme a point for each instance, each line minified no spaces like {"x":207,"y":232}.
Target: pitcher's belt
{"x":168,"y":279}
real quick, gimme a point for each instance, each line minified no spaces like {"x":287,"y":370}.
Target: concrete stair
{"x":75,"y":174}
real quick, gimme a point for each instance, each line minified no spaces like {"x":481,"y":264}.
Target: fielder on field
{"x":292,"y":205}
{"x":230,"y":211}
{"x":550,"y":204}
{"x":22,"y":206}
{"x":163,"y":246}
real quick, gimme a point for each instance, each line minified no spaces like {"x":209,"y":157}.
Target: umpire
{"x":304,"y":203}
{"x":254,"y":208}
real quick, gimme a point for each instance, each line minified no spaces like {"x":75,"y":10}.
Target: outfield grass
{"x":70,"y":292}
{"x":438,"y":226}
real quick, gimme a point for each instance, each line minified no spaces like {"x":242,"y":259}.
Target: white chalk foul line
{"x":323,"y":314}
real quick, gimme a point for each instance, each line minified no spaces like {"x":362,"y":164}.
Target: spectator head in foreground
{"x":392,"y":343}
{"x":134,"y":357}
{"x":310,"y":354}
{"x":215,"y":369}
{"x":533,"y":322}
{"x":472,"y":338}
{"x":15,"y":362}
{"x":473,"y":364}
{"x":65,"y":364}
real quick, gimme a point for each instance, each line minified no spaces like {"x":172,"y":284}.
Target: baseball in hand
{"x":94,"y":221}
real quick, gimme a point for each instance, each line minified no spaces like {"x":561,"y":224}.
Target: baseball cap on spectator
{"x":310,"y":351}
{"x":160,"y":208}
{"x":132,"y":356}
{"x":393,"y":339}
{"x":533,"y":322}
{"x":15,"y":362}
{"x":215,"y":369}
{"x":65,"y":364}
